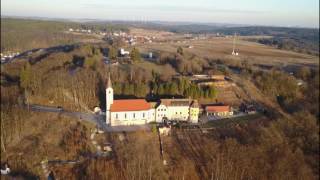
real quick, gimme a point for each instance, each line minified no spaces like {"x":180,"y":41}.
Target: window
{"x":143,"y":115}
{"x":125,"y":115}
{"x":134,"y":115}
{"x":180,"y":112}
{"x":116,"y":115}
{"x":158,"y":109}
{"x":176,"y":112}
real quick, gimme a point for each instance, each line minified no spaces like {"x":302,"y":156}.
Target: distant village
{"x":126,"y":37}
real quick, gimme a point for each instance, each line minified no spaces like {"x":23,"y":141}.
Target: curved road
{"x":97,"y":119}
{"x":93,"y":118}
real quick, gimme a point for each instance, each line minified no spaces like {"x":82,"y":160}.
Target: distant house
{"x":5,"y":169}
{"x":248,"y":108}
{"x":218,"y":110}
{"x":164,"y":130}
{"x":123,"y":52}
{"x":300,"y":82}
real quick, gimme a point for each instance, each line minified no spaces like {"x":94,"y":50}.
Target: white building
{"x":139,"y":111}
{"x":123,"y":52}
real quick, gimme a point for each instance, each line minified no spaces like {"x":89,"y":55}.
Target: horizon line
{"x":86,"y":20}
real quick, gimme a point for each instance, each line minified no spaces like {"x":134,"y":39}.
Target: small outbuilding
{"x":221,"y":111}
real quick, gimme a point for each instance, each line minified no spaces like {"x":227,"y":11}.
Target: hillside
{"x":279,"y":141}
{"x":25,"y":34}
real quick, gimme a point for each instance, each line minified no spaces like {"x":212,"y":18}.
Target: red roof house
{"x":217,"y":108}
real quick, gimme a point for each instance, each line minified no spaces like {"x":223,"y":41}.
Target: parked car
{"x":60,"y":108}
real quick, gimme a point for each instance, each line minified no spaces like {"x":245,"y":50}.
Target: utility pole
{"x":234,"y":44}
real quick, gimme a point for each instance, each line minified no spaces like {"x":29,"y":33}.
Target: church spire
{"x":109,"y":84}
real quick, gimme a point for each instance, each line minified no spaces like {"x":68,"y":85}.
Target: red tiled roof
{"x":130,"y":105}
{"x":217,"y":108}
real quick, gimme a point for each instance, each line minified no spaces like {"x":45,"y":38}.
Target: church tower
{"x":109,"y":100}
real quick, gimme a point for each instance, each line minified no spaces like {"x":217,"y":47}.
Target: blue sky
{"x":255,"y":12}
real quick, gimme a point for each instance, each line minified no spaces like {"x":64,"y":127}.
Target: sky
{"x":302,"y":13}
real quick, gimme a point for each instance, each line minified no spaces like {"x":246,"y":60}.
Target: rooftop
{"x":217,"y":108}
{"x":130,"y":105}
{"x":176,"y":102}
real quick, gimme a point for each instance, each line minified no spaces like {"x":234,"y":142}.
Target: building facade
{"x":221,"y":111}
{"x":139,"y":111}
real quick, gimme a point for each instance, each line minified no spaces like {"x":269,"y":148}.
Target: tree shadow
{"x":23,"y":174}
{"x":101,"y":93}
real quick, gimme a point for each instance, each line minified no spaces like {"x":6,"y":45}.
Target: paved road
{"x":215,"y":118}
{"x":97,"y":119}
{"x":89,"y":117}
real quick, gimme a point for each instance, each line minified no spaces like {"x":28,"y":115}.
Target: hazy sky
{"x":260,"y":12}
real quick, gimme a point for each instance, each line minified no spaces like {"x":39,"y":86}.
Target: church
{"x":139,"y":111}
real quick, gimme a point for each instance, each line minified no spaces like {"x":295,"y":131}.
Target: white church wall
{"x":152,"y":115}
{"x":131,"y":117}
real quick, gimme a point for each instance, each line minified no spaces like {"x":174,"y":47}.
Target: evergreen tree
{"x":180,"y":50}
{"x":135,"y":55}
{"x":90,"y":62}
{"x":128,"y":89}
{"x":212,"y":92}
{"x":25,"y":76}
{"x":140,"y":90}
{"x":117,"y":87}
{"x":161,"y":90}
{"x":112,"y":54}
{"x":206,"y":93}
{"x":131,"y":89}
{"x":173,"y":88}
{"x":155,"y":88}
{"x":25,"y":80}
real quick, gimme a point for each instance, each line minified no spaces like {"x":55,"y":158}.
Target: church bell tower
{"x":109,"y":100}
